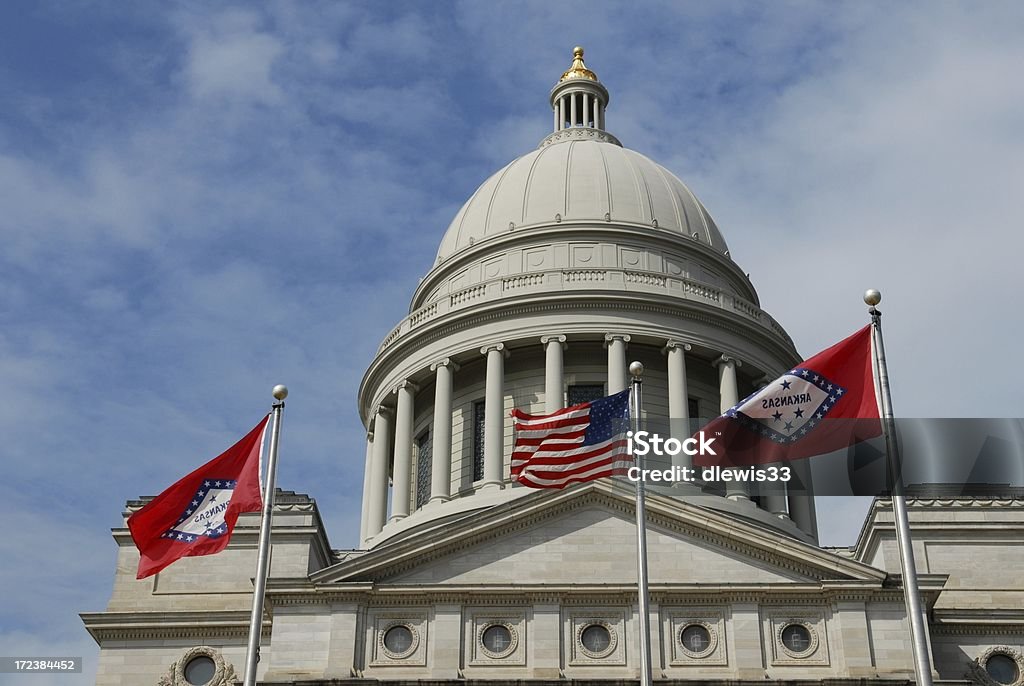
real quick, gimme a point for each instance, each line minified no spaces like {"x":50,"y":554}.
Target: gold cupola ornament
{"x":578,"y":70}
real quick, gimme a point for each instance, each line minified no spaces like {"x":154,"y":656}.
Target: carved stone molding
{"x":579,"y":133}
{"x":810,"y":618}
{"x":223,"y":675}
{"x":673,"y":344}
{"x":446,"y":362}
{"x":613,"y":622}
{"x":977,"y":672}
{"x":560,"y":338}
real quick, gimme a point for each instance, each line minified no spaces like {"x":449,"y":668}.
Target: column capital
{"x":609,"y":337}
{"x":500,"y":347}
{"x":369,"y":436}
{"x":672,"y":344}
{"x":763,"y":381}
{"x":446,"y":362}
{"x":727,"y":359}
{"x":405,"y":384}
{"x":558,"y":337}
{"x":384,"y":411}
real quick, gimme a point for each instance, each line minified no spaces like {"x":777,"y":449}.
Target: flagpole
{"x":911,"y":592}
{"x":637,"y":370}
{"x":252,"y":654}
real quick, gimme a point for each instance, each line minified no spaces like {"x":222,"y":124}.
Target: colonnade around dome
{"x":444,"y":434}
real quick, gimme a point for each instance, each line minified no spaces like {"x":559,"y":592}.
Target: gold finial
{"x":578,"y":70}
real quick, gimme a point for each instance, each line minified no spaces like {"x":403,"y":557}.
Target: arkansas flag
{"x":197,"y":514}
{"x":824,"y":404}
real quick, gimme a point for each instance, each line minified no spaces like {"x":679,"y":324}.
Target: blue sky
{"x":198,"y":201}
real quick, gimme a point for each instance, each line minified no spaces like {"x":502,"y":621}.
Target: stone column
{"x":561,"y":113}
{"x":366,"y":487}
{"x":402,"y":474}
{"x":494,"y":416}
{"x":378,"y":510}
{"x":586,"y":108}
{"x":557,"y":123}
{"x":730,"y":396}
{"x":597,"y":111}
{"x":441,"y":467}
{"x":554,"y":380}
{"x":678,"y":398}
{"x":616,"y":344}
{"x":572,"y":110}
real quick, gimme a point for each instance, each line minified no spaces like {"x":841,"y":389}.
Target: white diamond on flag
{"x":206,"y":518}
{"x":786,"y":409}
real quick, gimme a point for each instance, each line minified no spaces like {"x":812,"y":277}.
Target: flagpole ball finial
{"x":872,"y":297}
{"x":636,"y":369}
{"x":280,"y":391}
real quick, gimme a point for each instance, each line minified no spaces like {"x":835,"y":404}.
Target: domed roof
{"x":580,"y":180}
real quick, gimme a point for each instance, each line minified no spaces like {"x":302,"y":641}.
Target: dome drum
{"x":585,"y":370}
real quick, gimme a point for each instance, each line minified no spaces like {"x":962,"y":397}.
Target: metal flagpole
{"x":252,"y":655}
{"x":637,"y":370}
{"x":911,"y":592}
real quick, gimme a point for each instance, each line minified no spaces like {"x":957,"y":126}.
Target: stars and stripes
{"x":579,"y":443}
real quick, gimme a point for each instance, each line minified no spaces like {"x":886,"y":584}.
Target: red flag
{"x":824,"y":404}
{"x":197,"y":514}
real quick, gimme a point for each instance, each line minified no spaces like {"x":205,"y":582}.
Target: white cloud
{"x":232,"y":58}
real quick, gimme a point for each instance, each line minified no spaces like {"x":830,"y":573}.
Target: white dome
{"x":580,"y":180}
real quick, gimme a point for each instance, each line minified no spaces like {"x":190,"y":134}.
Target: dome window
{"x":200,"y":670}
{"x":1002,"y":669}
{"x":399,"y":641}
{"x":596,"y":640}
{"x":696,"y":640}
{"x":797,"y":638}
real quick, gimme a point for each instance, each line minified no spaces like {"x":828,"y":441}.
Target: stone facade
{"x":567,"y":263}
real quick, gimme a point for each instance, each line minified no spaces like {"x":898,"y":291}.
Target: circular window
{"x":1002,"y":668}
{"x":596,"y":639}
{"x":797,"y":638}
{"x":497,"y":640}
{"x":695,"y":639}
{"x":398,"y":640}
{"x":200,"y":670}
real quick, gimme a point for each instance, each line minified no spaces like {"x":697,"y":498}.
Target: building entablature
{"x":581,"y":244}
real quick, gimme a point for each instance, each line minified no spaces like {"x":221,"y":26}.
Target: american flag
{"x":580,"y":443}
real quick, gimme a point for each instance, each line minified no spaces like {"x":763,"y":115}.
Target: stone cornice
{"x":107,"y":626}
{"x":567,"y":231}
{"x":403,"y":349}
{"x":776,"y":550}
{"x":874,"y":526}
{"x":300,"y":592}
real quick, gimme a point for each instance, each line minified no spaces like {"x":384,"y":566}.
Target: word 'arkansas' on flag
{"x":197,"y":514}
{"x":580,"y":443}
{"x":824,"y":404}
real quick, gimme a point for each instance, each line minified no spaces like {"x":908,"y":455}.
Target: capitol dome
{"x":584,"y":179}
{"x":562,"y":268}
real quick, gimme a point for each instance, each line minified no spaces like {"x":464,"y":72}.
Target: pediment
{"x":587,"y":536}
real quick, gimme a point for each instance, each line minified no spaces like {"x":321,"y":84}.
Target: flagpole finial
{"x":280,"y":391}
{"x":636,"y":369}
{"x":872,"y":297}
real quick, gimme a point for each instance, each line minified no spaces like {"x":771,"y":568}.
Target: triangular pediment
{"x":588,"y":536}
